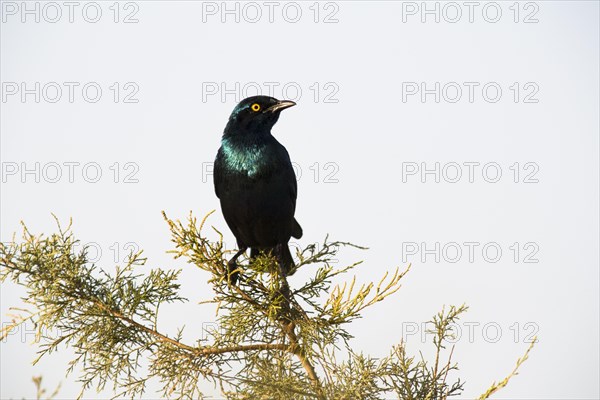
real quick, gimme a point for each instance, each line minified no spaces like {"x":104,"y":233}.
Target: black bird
{"x":256,"y":184}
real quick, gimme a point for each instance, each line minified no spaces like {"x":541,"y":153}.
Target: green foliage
{"x":275,"y":341}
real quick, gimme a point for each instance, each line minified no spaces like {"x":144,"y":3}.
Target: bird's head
{"x":256,"y":114}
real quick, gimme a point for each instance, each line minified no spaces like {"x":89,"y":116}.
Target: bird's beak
{"x":282,"y":105}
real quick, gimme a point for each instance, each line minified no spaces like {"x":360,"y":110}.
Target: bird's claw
{"x":233,"y":272}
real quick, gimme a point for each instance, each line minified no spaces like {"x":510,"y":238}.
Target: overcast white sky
{"x":491,"y":191}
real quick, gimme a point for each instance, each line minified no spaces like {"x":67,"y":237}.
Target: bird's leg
{"x":232,"y":272}
{"x":285,"y":260}
{"x":280,"y":260}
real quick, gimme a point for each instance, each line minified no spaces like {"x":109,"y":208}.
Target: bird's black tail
{"x":296,"y":230}
{"x":286,"y":262}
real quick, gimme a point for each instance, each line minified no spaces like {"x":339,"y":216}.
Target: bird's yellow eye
{"x":255,"y":107}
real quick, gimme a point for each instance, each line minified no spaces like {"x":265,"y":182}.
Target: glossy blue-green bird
{"x":255,"y":183}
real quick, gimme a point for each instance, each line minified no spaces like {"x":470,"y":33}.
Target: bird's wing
{"x":290,"y":177}
{"x":218,"y":172}
{"x":294,"y":184}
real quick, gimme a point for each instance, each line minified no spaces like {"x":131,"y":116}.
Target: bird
{"x":256,"y":184}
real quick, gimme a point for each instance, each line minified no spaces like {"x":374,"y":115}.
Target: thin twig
{"x":195,"y":350}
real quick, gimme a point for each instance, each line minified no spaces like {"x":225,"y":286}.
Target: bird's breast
{"x":250,"y":160}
